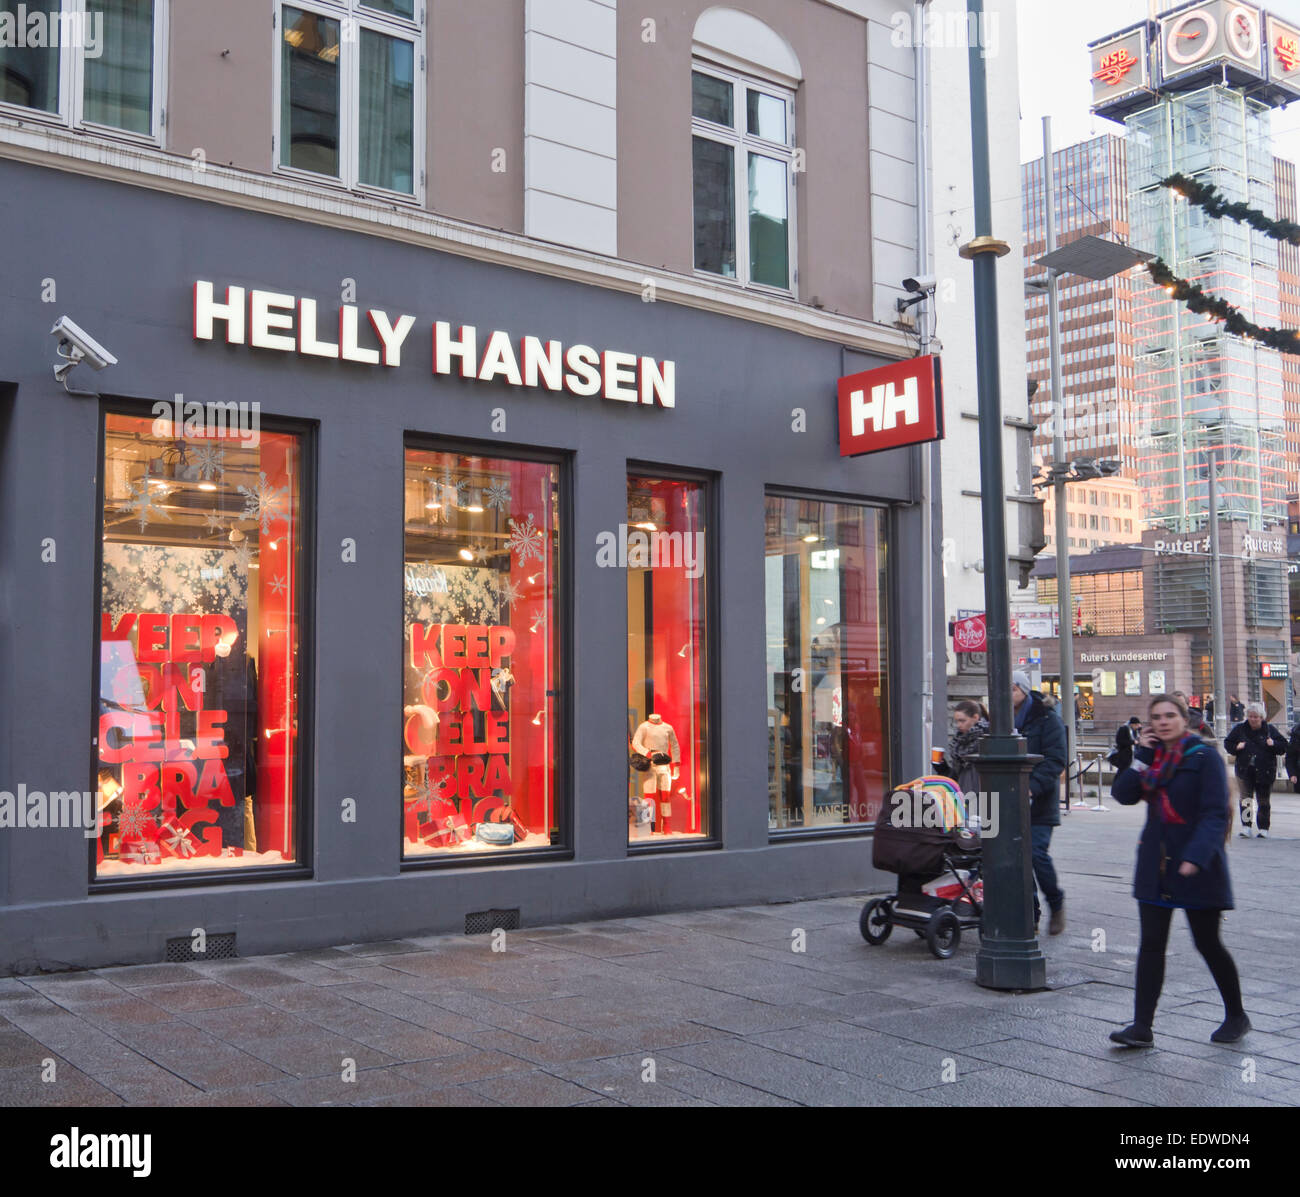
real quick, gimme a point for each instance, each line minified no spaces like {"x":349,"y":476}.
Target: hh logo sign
{"x":894,"y":405}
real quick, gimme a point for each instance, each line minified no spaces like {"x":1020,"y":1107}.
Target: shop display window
{"x":201,"y":587}
{"x":667,"y":708}
{"x":827,"y":664}
{"x":480,"y":723}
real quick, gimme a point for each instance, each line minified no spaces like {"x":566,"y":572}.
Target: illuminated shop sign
{"x":891,"y":406}
{"x":289,"y":324}
{"x":1220,"y":34}
{"x":1120,"y":70}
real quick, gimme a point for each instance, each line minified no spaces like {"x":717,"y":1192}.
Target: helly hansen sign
{"x":291,"y":324}
{"x":891,"y":406}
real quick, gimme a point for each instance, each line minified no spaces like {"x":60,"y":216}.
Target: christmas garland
{"x":1208,"y":198}
{"x":1197,"y":300}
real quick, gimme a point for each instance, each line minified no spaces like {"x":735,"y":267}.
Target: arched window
{"x":743,"y":83}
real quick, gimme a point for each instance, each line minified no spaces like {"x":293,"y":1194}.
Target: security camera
{"x":922,"y":284}
{"x":76,"y":345}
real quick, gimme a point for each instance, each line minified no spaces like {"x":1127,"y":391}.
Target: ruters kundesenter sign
{"x":895,"y":405}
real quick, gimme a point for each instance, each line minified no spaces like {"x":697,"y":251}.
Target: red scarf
{"x":1161,"y":773}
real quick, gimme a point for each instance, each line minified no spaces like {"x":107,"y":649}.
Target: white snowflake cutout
{"x":262,"y":502}
{"x":525,"y":539}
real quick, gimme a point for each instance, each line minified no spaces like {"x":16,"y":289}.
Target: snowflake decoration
{"x":262,"y":502}
{"x":279,"y":585}
{"x":539,"y":622}
{"x":243,"y":557}
{"x":134,"y":823}
{"x":525,"y":539}
{"x":481,"y":551}
{"x":142,"y":502}
{"x":497,"y":495}
{"x":511,"y":592}
{"x":210,"y":461}
{"x":453,"y":486}
{"x":213,"y":522}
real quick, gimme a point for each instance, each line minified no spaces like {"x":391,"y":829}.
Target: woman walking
{"x":1256,"y":745}
{"x":972,"y":723}
{"x":1182,"y":862}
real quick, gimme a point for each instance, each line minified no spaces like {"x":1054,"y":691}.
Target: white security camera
{"x":922,"y":284}
{"x":75,"y":346}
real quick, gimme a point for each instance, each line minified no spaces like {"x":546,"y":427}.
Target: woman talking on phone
{"x":1182,"y":863}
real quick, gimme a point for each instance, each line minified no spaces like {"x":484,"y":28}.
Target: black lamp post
{"x":1009,"y":956}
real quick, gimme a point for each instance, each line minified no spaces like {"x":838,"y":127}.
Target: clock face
{"x":1242,"y":28}
{"x":1191,"y":37}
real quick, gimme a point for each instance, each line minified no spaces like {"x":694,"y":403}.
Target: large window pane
{"x":667,"y":711}
{"x":309,"y":92}
{"x":28,"y":75}
{"x":769,"y":224}
{"x":715,"y":207}
{"x":201,"y":589}
{"x":119,"y":82}
{"x":711,"y":98}
{"x":401,"y":8}
{"x":827,"y":664}
{"x":387,"y":135}
{"x":480,"y":679}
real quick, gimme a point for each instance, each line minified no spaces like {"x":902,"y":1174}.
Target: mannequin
{"x":658,"y":741}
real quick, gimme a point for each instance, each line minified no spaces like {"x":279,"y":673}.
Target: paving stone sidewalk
{"x":714,"y":1005}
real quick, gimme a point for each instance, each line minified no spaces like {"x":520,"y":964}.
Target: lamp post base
{"x":1011,"y":964}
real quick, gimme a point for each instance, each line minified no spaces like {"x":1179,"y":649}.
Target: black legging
{"x":1151,"y":959}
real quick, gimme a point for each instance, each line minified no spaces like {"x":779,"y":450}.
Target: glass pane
{"x":480,"y":730}
{"x":387,"y":138}
{"x":715,"y":207}
{"x":711,"y":98}
{"x":309,"y":93}
{"x":827,"y":664}
{"x":29,"y":75}
{"x":401,"y":8}
{"x":769,"y":225}
{"x":119,"y":81}
{"x":766,"y":115}
{"x":667,"y":711}
{"x":199,"y":667}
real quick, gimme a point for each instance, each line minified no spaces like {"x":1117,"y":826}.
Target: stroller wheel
{"x":874,"y":922}
{"x":943,"y":933}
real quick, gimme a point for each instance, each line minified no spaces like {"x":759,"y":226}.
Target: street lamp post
{"x":1009,"y":956}
{"x":1216,"y":596}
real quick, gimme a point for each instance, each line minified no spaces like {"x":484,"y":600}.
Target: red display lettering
{"x":424,"y":646}
{"x":152,"y":638}
{"x":209,"y":737}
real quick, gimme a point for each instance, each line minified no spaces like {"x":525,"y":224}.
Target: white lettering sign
{"x":885,"y":407}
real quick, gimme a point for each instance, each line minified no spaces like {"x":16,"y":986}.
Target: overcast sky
{"x":1055,"y":68}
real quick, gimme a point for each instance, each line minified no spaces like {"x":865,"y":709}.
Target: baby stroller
{"x":925,"y":835}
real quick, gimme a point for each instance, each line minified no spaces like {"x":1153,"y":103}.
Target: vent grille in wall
{"x":219,"y":947}
{"x":483,"y":921}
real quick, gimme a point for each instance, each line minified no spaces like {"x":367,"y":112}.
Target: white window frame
{"x":362,"y":17}
{"x":72,"y":82}
{"x":742,"y":143}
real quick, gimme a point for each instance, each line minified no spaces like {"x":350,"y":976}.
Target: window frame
{"x":891,"y":590}
{"x":72,"y":87}
{"x":301,"y":868}
{"x":742,"y":143}
{"x":412,"y":30}
{"x":566,"y":742}
{"x":712,"y":663}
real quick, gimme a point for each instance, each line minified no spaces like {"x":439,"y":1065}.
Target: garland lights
{"x":1207,"y":197}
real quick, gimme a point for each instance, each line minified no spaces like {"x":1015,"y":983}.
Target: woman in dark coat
{"x":1182,"y":862}
{"x":972,"y":723}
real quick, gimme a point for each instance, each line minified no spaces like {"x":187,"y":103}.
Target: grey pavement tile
{"x":950,"y":1026}
{"x":741,"y":1016}
{"x":1159,"y":1090}
{"x":125,"y":1011}
{"x":1075,"y":1068}
{"x":198,"y":994}
{"x":1212,"y":1013}
{"x":144,"y":1083}
{"x":462,"y":1069}
{"x":456,"y":1096}
{"x":240,"y":1095}
{"x":76,"y":991}
{"x":532,"y":1088}
{"x":370,"y":1083}
{"x":599,"y":945}
{"x":1226,"y":1071}
{"x":1011,"y":1087}
{"x":387,"y":947}
{"x":784,"y":1076}
{"x":135,"y":976}
{"x":14,"y":987}
{"x":416,"y":1009}
{"x":620,"y":1077}
{"x":20,"y":1050}
{"x":70,"y":1087}
{"x":85,"y":1046}
{"x":315,"y":1055}
{"x":243,"y":1024}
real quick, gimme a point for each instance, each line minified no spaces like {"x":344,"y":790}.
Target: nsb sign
{"x":895,"y":405}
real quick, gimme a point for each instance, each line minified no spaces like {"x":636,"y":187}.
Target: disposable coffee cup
{"x":936,"y":756}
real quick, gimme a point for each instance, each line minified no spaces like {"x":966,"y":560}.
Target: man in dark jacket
{"x":1043,"y":729}
{"x":1256,"y":745}
{"x":1236,"y":710}
{"x":1293,"y":757}
{"x":1125,"y":738}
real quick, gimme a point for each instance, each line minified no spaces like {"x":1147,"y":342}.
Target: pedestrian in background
{"x":1293,"y":756}
{"x":1043,"y":729}
{"x":1182,"y":862}
{"x":1236,"y":710}
{"x":1255,"y":745}
{"x":971,"y":721}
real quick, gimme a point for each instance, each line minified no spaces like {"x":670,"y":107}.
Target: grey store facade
{"x":382,"y":588}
